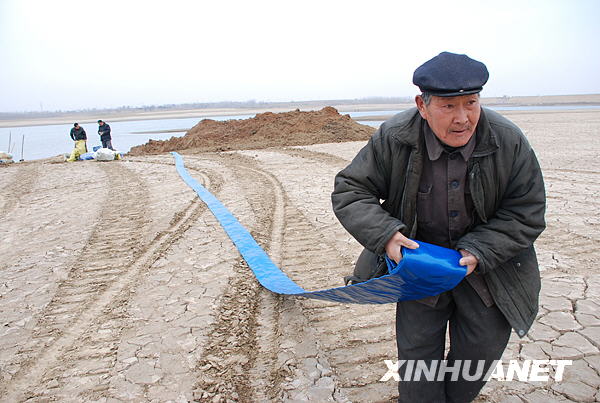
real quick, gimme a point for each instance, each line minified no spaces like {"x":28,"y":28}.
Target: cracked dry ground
{"x":117,"y":284}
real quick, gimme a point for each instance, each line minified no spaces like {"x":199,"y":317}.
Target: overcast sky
{"x":67,"y":55}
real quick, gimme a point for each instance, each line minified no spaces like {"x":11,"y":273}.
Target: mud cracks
{"x":119,"y":284}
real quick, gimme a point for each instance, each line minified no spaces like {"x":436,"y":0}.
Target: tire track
{"x":225,"y":356}
{"x":322,"y":157}
{"x":242,"y":366}
{"x":90,"y":275}
{"x":353,"y":340}
{"x":93,"y":355}
{"x":294,"y":337}
{"x":83,"y":322}
{"x":228,"y":357}
{"x":20,"y":185}
{"x":343,"y":331}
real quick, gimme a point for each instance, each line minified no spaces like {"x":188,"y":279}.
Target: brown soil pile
{"x":264,"y":130}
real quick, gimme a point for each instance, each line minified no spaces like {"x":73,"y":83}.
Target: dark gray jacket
{"x":506,"y":185}
{"x":78,"y":134}
{"x":104,"y":132}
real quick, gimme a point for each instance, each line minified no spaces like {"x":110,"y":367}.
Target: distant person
{"x":104,"y":132}
{"x":454,"y":174}
{"x":79,"y":137}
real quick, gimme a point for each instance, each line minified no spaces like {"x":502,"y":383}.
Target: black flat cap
{"x":450,"y":75}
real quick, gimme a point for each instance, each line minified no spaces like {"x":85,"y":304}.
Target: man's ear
{"x":421,"y":106}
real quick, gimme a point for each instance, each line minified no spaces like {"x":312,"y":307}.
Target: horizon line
{"x":255,"y":103}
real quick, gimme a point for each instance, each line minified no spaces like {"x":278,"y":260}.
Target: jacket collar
{"x":487,"y":142}
{"x":409,"y":131}
{"x":435,"y":148}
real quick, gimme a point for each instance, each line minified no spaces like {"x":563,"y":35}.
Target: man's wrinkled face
{"x":452,"y":119}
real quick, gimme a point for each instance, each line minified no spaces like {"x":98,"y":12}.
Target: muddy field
{"x":117,"y":284}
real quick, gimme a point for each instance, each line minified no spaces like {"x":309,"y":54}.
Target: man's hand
{"x":469,"y":260}
{"x":393,"y":247}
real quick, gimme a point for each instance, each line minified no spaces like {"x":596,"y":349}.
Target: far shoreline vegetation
{"x":580,"y":99}
{"x":208,"y":110}
{"x":251,"y":104}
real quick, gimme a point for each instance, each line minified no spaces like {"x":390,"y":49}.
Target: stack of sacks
{"x":6,"y":158}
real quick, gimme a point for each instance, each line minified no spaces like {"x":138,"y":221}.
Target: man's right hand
{"x":393,"y":247}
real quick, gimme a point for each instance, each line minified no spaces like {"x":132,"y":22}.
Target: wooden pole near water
{"x":22,"y":144}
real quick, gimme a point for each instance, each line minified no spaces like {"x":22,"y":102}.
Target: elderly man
{"x":454,"y":174}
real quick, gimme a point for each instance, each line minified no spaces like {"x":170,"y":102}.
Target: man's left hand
{"x":468,"y":259}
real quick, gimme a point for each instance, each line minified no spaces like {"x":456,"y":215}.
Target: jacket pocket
{"x":476,"y":191}
{"x":523,"y":280}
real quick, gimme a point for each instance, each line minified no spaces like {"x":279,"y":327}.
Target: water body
{"x":51,"y":140}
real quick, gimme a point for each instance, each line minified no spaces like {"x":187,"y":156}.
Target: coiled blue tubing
{"x":422,"y":272}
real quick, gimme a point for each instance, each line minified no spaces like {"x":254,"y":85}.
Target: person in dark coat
{"x":455,"y":174}
{"x":77,"y":133}
{"x":104,"y":132}
{"x":79,"y":136}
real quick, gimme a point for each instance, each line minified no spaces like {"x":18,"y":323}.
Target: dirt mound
{"x":264,"y":130}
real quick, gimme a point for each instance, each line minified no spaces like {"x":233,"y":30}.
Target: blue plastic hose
{"x":422,"y":272}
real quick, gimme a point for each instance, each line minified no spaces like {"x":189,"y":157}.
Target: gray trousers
{"x":477,"y":333}
{"x":107,"y":144}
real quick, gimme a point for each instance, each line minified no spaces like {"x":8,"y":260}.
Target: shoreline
{"x":88,"y":117}
{"x":588,"y":114}
{"x":375,"y":118}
